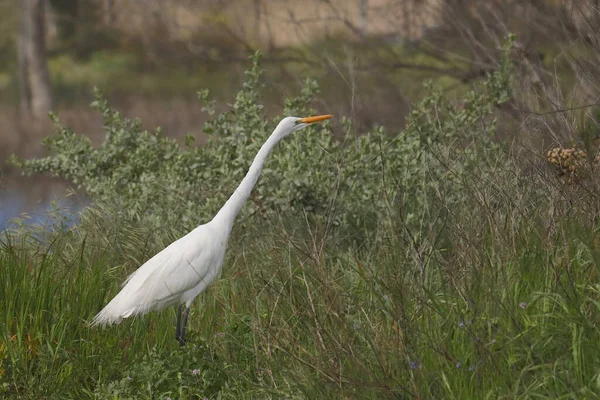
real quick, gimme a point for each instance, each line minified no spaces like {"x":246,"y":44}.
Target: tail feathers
{"x":114,"y":312}
{"x":125,"y":304}
{"x":105,"y":318}
{"x":136,"y":297}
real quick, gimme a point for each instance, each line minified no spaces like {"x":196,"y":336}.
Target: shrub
{"x":143,"y":178}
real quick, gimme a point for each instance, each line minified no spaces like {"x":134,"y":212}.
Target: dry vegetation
{"x":152,"y":56}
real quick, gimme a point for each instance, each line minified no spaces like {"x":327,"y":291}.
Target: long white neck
{"x":232,"y":207}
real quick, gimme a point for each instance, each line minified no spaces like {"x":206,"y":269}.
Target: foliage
{"x":189,"y":373}
{"x":504,"y":303}
{"x":143,"y":177}
{"x":46,"y":340}
{"x":478,"y":278}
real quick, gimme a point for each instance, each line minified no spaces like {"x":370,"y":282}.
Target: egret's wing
{"x":163,"y":276}
{"x":161,"y":261}
{"x":160,"y":281}
{"x":182,"y":272}
{"x":133,"y":299}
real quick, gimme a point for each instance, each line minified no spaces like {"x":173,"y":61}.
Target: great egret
{"x":185,"y":268}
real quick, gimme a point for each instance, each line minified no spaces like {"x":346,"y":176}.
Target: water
{"x":31,"y":198}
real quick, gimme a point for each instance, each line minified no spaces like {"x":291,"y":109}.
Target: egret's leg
{"x":185,"y":318}
{"x":178,"y":327}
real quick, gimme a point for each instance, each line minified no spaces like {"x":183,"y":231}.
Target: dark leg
{"x":185,"y":318}
{"x":178,"y":327}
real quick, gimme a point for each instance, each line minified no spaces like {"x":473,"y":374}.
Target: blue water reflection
{"x":31,"y":199}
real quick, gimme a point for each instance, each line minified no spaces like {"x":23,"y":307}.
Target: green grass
{"x":492,"y":303}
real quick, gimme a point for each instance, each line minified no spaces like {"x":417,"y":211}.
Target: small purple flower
{"x":195,"y":371}
{"x":458,"y":365}
{"x":461,"y":324}
{"x":416,"y":364}
{"x":523,"y":305}
{"x":471,"y":368}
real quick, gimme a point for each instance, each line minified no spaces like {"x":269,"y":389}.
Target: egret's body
{"x":185,"y":268}
{"x":174,"y":276}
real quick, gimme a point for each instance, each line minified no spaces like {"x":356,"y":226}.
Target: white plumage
{"x":185,"y":268}
{"x":174,"y":276}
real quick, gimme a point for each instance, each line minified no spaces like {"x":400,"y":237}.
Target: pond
{"x":31,"y":198}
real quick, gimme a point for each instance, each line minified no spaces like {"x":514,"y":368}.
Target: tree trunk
{"x":34,"y":80}
{"x":108,"y":16}
{"x":363,"y":19}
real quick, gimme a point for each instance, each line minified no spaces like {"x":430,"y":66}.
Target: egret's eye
{"x":297,"y":122}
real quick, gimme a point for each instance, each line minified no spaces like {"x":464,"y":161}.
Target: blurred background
{"x":370,"y":57}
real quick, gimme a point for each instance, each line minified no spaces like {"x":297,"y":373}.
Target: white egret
{"x":185,"y":268}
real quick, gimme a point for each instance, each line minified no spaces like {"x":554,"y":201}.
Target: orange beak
{"x":310,"y":120}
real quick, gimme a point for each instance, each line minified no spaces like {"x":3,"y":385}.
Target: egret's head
{"x":292,"y":124}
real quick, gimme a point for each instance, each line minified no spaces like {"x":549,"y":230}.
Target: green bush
{"x":144,"y":178}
